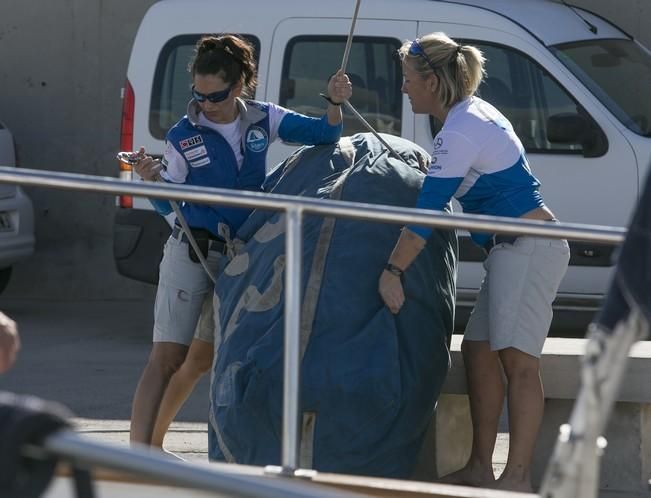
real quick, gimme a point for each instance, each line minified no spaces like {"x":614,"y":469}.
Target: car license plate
{"x":5,"y":222}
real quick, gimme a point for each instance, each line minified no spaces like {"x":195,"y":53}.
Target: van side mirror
{"x":576,"y":128}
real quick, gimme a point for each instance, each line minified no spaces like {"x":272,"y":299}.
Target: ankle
{"x":518,"y":474}
{"x":480,"y":467}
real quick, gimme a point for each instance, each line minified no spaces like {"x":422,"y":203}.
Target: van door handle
{"x":586,"y":254}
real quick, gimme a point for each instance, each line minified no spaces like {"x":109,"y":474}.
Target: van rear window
{"x":171,"y":88}
{"x":373,"y":70}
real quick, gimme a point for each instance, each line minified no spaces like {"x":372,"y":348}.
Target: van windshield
{"x":618,"y":72}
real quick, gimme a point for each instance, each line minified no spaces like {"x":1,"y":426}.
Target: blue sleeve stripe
{"x":423,"y":232}
{"x":435,"y":194}
{"x":297,"y":128}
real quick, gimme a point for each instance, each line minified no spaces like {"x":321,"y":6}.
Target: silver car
{"x":16,"y":215}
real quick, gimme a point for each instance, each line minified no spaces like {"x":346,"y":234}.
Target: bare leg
{"x":197,"y":362}
{"x":526,"y":407}
{"x":486,"y":391}
{"x":165,"y":359}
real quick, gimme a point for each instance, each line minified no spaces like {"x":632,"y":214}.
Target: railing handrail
{"x":325,"y":207}
{"x":151,"y":463}
{"x":295,"y":207}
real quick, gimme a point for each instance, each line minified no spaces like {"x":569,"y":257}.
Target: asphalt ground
{"x":89,"y":355}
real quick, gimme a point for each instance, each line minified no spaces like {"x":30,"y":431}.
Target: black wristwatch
{"x":391,"y":268}
{"x":329,"y":99}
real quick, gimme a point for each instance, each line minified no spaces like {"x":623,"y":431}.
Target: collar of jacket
{"x":248,"y":113}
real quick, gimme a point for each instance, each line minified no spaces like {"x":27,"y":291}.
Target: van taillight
{"x":126,"y":138}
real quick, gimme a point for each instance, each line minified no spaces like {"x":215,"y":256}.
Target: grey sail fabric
{"x":369,"y":379}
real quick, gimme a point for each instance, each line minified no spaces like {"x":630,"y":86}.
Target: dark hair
{"x":227,"y":55}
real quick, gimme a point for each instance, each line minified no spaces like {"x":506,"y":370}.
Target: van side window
{"x":528,"y":96}
{"x":171,"y":86}
{"x":372,"y":68}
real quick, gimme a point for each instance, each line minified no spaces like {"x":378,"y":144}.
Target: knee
{"x":166,"y":363}
{"x":198,"y":363}
{"x":519,"y":365}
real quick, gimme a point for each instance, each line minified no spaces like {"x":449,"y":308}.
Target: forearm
{"x":339,"y":91}
{"x":334,"y":114}
{"x":407,"y":248}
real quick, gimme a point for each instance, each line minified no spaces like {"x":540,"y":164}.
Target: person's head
{"x":438,"y":72}
{"x":223,"y":68}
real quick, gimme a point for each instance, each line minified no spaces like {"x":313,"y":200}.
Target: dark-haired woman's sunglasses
{"x":213,"y":97}
{"x":417,"y":49}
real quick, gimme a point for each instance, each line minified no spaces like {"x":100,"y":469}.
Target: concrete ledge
{"x":560,"y":367}
{"x":626,"y":464}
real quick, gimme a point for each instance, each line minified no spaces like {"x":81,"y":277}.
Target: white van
{"x":573,"y":85}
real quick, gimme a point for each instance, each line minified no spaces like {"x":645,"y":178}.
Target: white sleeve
{"x":276,"y":115}
{"x":175,"y":168}
{"x":453,"y":156}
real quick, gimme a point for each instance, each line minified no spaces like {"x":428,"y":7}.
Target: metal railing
{"x":294,"y":208}
{"x":149,"y":463}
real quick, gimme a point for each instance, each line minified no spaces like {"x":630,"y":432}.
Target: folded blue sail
{"x":369,"y":379}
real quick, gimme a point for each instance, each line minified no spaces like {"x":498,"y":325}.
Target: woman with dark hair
{"x":222,"y":142}
{"x":479,"y":160}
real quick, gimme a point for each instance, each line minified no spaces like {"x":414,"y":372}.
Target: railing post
{"x":291,"y":384}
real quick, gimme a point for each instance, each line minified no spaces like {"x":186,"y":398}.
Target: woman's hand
{"x":9,"y":342}
{"x":147,"y":167}
{"x":391,"y":291}
{"x":339,"y":87}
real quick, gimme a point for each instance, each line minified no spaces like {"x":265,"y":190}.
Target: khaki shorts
{"x":184,"y":298}
{"x":514,"y":305}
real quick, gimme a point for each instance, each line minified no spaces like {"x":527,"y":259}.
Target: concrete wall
{"x":62,"y":64}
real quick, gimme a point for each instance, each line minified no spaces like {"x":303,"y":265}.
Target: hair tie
{"x":459,"y":48}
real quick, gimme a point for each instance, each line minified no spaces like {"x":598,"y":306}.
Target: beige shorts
{"x":514,"y":305}
{"x":184,"y":300}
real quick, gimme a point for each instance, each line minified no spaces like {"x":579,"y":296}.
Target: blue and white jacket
{"x":479,"y":160}
{"x":196,"y":154}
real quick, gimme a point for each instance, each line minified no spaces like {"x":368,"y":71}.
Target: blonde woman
{"x":479,"y":160}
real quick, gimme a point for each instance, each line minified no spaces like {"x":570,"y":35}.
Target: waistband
{"x":214,"y":244}
{"x":500,"y":238}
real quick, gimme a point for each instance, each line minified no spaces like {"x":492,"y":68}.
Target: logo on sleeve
{"x":189,"y":142}
{"x":438,"y":147}
{"x":433,"y":167}
{"x":257,"y":139}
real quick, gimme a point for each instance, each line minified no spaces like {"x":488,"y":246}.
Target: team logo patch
{"x":189,"y":142}
{"x":433,"y":167}
{"x":195,"y":153}
{"x":257,"y":139}
{"x":200,"y":162}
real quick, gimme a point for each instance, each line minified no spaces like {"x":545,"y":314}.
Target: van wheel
{"x":5,"y":275}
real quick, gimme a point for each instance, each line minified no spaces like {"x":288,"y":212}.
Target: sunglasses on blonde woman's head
{"x":416,"y":49}
{"x":214,"y":97}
